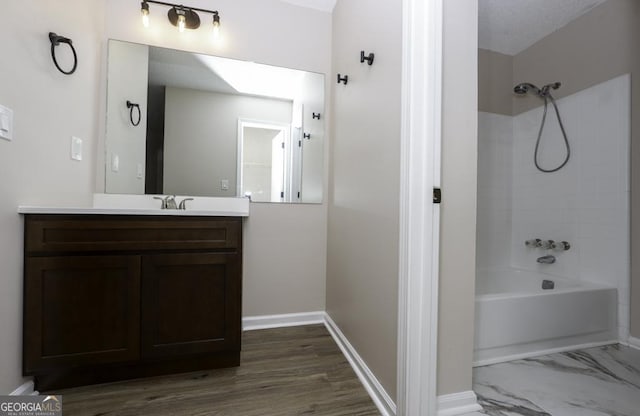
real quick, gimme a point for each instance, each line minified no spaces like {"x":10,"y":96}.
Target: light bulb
{"x":144,"y":9}
{"x":181,"y":22}
{"x":216,"y":27}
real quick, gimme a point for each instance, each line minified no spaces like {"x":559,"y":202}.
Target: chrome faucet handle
{"x":561,"y":246}
{"x":548,"y":245}
{"x":170,"y":202}
{"x":183,"y":203}
{"x":536,"y":242}
{"x":163,"y":204}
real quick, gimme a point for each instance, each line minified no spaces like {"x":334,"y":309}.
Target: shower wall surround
{"x":495,"y":165}
{"x":585,"y":203}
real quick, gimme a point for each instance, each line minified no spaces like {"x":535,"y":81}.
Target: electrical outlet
{"x":6,"y":123}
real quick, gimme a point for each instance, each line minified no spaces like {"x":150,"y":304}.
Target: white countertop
{"x":114,"y":204}
{"x":25,"y":209}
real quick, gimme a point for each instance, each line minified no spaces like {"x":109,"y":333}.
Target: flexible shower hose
{"x":548,"y":97}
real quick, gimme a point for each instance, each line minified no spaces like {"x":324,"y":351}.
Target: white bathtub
{"x":516,"y":318}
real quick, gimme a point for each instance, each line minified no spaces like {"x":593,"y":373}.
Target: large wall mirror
{"x":190,"y":124}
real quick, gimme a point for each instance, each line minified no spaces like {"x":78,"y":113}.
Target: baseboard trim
{"x":632,"y":342}
{"x":251,"y":323}
{"x":382,"y":400}
{"x":458,"y":403}
{"x":26,"y":389}
{"x":507,"y":358}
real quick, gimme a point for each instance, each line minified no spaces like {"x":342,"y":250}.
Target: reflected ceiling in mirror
{"x":195,"y":111}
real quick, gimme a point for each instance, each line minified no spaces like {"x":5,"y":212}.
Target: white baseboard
{"x":26,"y":389}
{"x":632,"y":342}
{"x":538,"y":353}
{"x":382,"y":400}
{"x":251,"y":323}
{"x":458,"y":404}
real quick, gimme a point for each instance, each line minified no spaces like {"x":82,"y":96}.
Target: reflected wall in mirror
{"x":212,"y":126}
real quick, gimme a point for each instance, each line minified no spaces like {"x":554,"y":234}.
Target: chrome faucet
{"x":168,"y":202}
{"x":183,"y":203}
{"x":548,"y":259}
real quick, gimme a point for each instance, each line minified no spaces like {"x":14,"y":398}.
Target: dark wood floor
{"x":284,"y":372}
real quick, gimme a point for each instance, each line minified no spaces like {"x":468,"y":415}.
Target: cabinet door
{"x":81,"y":310}
{"x":190,"y":303}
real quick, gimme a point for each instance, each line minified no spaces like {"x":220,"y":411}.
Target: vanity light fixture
{"x":183,"y":17}
{"x":144,"y":9}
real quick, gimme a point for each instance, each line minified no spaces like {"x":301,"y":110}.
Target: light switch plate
{"x":6,"y":123}
{"x":76,"y":148}
{"x":140,"y":172}
{"x":224,"y":184}
{"x":115,"y":162}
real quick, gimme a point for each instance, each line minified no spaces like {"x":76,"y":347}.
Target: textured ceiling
{"x":511,"y":26}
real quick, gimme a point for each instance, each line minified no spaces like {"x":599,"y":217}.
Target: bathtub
{"x":516,"y":318}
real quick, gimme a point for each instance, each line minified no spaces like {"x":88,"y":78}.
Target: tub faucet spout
{"x":549,"y":259}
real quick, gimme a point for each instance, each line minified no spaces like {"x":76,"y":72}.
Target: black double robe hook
{"x":55,"y":41}
{"x":131,"y":106}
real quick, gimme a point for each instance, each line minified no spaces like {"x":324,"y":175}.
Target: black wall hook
{"x":55,"y":41}
{"x":315,"y":115}
{"x":344,"y":79}
{"x":131,"y":106}
{"x":307,"y":136}
{"x":368,"y":58}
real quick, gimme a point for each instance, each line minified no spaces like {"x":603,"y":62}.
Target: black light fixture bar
{"x":164,"y":3}
{"x":184,"y":17}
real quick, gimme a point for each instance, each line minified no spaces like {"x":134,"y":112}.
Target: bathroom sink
{"x":117,"y":204}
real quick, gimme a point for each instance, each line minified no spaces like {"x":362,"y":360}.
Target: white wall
{"x":285,"y":245}
{"x":128,"y":78}
{"x":458,"y":209}
{"x":201,"y":138}
{"x":587,"y":202}
{"x":495,"y":172}
{"x":49,"y":108}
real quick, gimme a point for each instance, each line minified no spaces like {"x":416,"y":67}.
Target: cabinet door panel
{"x":190,"y":303}
{"x":81,"y":310}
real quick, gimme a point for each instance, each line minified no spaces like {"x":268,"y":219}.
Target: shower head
{"x":544,"y":91}
{"x":524,"y":87}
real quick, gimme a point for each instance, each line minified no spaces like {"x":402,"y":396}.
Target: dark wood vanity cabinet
{"x":115,"y":297}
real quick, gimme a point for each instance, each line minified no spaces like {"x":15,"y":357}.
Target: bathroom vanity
{"x":110,"y":297}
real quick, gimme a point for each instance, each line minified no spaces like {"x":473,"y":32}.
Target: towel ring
{"x":55,"y":41}
{"x":131,"y":106}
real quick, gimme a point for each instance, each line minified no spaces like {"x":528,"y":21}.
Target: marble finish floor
{"x":602,"y":381}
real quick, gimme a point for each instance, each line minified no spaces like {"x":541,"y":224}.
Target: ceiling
{"x":324,"y":5}
{"x":511,"y":26}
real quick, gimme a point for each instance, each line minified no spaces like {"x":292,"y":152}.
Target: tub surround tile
{"x":601,"y":381}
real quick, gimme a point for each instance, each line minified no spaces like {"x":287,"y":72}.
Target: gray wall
{"x":197,"y":158}
{"x":297,"y":38}
{"x":495,"y":82}
{"x":363,"y":232}
{"x":598,"y":46}
{"x":458,"y":209}
{"x":51,"y":107}
{"x":128,"y":78}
